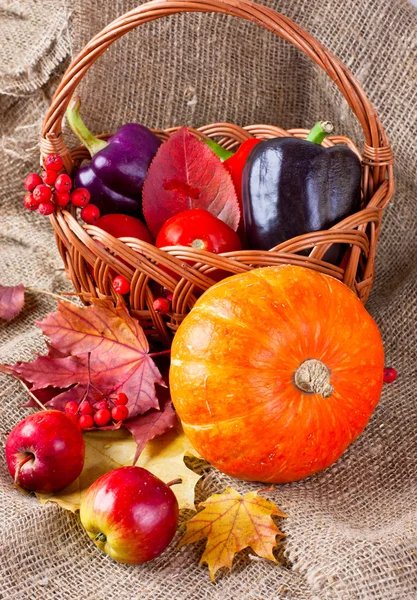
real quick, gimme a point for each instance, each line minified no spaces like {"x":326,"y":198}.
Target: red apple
{"x":130,"y":514}
{"x":45,"y":451}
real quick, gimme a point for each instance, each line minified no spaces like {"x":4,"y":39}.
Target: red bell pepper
{"x":234,"y":164}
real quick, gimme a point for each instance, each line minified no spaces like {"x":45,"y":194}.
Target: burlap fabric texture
{"x":353,"y":529}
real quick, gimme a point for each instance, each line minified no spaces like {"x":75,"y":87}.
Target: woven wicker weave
{"x":144,"y":263}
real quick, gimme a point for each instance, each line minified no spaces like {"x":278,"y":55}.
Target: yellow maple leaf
{"x":108,"y":450}
{"x":231,"y":522}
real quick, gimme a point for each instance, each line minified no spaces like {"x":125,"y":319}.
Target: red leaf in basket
{"x":12,"y":299}
{"x":153,"y":423}
{"x":186,"y":174}
{"x":119,"y":360}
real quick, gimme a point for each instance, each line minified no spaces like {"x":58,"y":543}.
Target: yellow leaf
{"x":230,"y":523}
{"x":108,"y":450}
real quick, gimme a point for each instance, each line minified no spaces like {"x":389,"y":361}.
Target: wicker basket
{"x":142,"y":262}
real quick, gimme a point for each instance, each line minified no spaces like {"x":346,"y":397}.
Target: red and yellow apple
{"x":130,"y":514}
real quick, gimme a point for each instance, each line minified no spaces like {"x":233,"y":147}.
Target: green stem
{"x":320,"y":130}
{"x":218,"y":150}
{"x":92,"y":143}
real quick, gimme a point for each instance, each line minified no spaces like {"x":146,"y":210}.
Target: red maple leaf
{"x":186,"y":174}
{"x":118,"y":350}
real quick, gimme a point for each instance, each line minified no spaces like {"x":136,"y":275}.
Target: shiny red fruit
{"x":121,"y":285}
{"x":130,"y":514}
{"x":61,"y":198}
{"x":80,"y":197}
{"x":85,"y":422}
{"x":53,"y":162}
{"x":32,"y":181}
{"x":45,"y":451}
{"x":161,"y":305}
{"x":46,"y":208}
{"x":124,"y":226}
{"x":102,"y":417}
{"x":63,"y":183}
{"x":90,"y":214}
{"x":71,"y":407}
{"x":199,"y":229}
{"x":121,"y":226}
{"x":103,"y":404}
{"x":119,"y":413}
{"x":30,"y":202}
{"x":390,"y":375}
{"x":49,"y":177}
{"x":42,"y":193}
{"x":121,"y":399}
{"x":85,"y":408}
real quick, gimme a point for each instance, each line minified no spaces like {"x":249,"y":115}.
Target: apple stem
{"x":160,"y":353}
{"x":174,"y":482}
{"x":38,"y":402}
{"x":19,"y":466}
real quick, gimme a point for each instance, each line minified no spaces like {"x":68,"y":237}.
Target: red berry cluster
{"x":100,"y":413}
{"x":54,"y":189}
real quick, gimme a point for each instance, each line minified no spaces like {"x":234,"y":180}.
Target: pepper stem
{"x":92,"y":143}
{"x":218,"y":150}
{"x":320,"y":130}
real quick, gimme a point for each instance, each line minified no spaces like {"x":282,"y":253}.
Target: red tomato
{"x":199,"y":229}
{"x":124,"y":226}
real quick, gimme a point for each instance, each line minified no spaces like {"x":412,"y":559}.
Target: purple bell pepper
{"x":116,"y":172}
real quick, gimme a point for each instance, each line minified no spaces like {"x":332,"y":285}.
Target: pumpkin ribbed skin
{"x":233,"y":364}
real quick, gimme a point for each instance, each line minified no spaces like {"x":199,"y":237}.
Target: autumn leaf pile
{"x":105,"y":341}
{"x":101,"y":349}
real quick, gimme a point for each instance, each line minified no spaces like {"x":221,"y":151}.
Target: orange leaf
{"x":230,"y":523}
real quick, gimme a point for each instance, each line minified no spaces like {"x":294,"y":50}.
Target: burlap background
{"x":352,"y":532}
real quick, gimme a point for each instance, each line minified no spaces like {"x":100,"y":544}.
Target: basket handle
{"x":377,"y":150}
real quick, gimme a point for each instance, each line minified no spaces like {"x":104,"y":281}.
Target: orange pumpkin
{"x":275,"y":372}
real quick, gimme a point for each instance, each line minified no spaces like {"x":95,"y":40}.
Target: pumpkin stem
{"x":313,"y":377}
